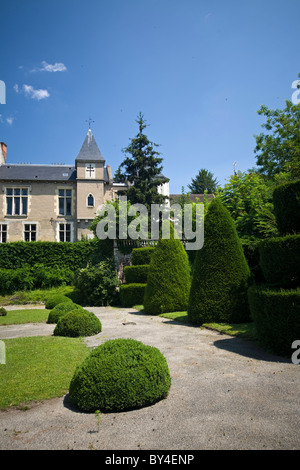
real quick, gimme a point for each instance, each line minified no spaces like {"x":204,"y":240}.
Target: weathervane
{"x":89,"y":121}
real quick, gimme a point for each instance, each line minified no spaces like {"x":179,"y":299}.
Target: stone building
{"x":54,"y":202}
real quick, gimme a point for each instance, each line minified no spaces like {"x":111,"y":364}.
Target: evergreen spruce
{"x":221,"y":273}
{"x":168,"y":280}
{"x":141,"y":168}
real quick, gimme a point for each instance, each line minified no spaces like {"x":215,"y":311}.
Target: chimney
{"x":3,"y":148}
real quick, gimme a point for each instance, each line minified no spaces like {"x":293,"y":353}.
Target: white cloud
{"x":10,"y":120}
{"x":57,"y":67}
{"x":34,"y":93}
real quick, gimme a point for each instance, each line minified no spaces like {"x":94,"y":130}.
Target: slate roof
{"x":26,"y":172}
{"x":89,"y":150}
{"x":193,"y":197}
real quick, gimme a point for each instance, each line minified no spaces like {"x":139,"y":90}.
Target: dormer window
{"x":90,"y":200}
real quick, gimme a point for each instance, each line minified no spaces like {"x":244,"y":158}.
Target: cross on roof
{"x":89,"y":121}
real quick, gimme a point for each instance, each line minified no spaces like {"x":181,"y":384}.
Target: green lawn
{"x":244,"y":330}
{"x":29,"y":315}
{"x":33,"y":296}
{"x":38,"y":368}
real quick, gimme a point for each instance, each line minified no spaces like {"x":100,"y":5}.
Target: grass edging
{"x":243,"y":330}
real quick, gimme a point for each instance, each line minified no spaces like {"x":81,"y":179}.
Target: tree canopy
{"x":278,"y":149}
{"x":204,"y":181}
{"x":141,"y":169}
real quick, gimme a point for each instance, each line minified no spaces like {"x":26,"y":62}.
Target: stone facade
{"x":54,"y":202}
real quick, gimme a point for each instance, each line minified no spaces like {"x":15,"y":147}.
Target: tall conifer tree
{"x":221,"y":273}
{"x":142,"y":168}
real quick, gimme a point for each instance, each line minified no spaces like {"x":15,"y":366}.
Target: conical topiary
{"x":169,"y":278}
{"x":221,"y":273}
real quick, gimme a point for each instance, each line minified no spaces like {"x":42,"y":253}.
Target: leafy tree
{"x":204,"y":181}
{"x":279,"y":149}
{"x":221,"y":273}
{"x":141,"y":168}
{"x":248,"y":198}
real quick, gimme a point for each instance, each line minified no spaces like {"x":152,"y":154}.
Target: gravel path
{"x":226,"y":393}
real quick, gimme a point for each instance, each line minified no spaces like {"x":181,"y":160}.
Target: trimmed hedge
{"x":136,"y":274}
{"x":119,"y":375}
{"x":280,"y":261}
{"x":36,"y":277}
{"x":55,"y":300}
{"x":60,"y":310}
{"x":60,"y":255}
{"x":78,"y":323}
{"x":221,"y":273}
{"x":251,"y":252}
{"x":169,"y":277}
{"x":132,"y":294}
{"x":276,"y":314}
{"x":286,"y":200}
{"x":142,"y":256}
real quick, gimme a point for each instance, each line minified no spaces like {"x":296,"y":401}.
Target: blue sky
{"x":198,"y":70}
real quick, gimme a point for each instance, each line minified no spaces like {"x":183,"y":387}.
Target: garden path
{"x":226,"y":393}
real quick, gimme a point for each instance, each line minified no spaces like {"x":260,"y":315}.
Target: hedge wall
{"x":276,"y":314}
{"x":142,"y":256}
{"x":136,"y":274}
{"x":280,"y":261}
{"x":63,"y":255}
{"x":286,"y":200}
{"x":132,"y":294}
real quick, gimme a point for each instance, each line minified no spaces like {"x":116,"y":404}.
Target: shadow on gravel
{"x":249,"y":349}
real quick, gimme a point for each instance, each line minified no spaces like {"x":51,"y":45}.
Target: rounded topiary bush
{"x":3,"y":312}
{"x":221,"y":273}
{"x":55,"y":300}
{"x":169,"y":277}
{"x":120,"y":374}
{"x":60,"y":310}
{"x":77,"y":323}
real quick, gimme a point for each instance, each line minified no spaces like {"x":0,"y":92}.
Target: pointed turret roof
{"x":89,"y":151}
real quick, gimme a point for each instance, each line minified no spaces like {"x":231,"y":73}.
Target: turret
{"x":3,"y":148}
